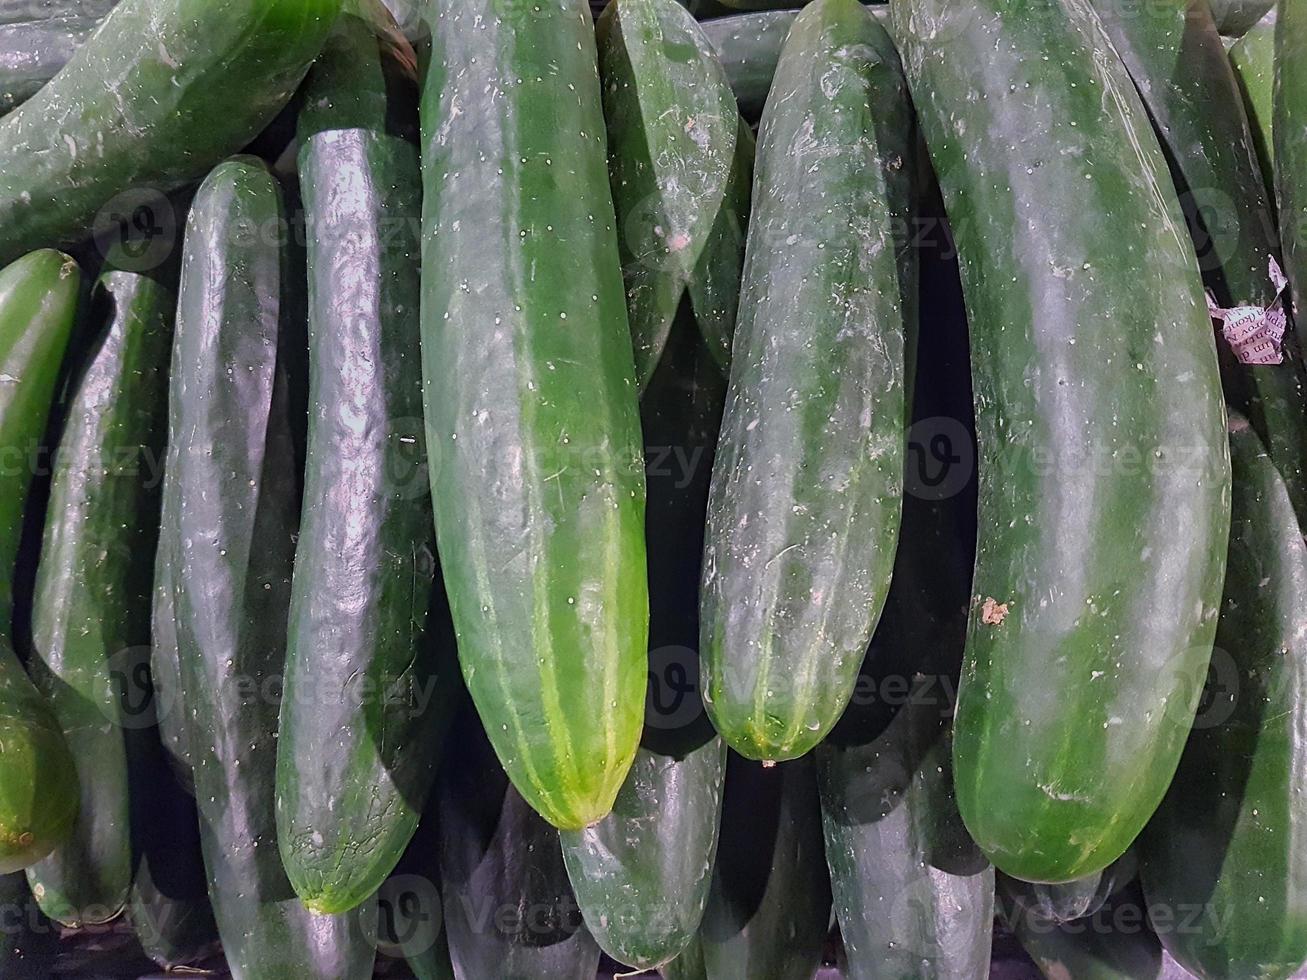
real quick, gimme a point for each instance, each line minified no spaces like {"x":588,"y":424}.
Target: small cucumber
{"x":807,"y":487}
{"x":163,"y":91}
{"x":39,"y":789}
{"x":1104,"y":468}
{"x":92,"y":603}
{"x":236,"y":518}
{"x":1228,"y":837}
{"x":531,"y":400}
{"x":366,"y":686}
{"x":509,"y":910}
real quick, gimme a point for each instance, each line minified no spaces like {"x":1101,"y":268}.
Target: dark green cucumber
{"x":1183,"y":74}
{"x":749,"y":46}
{"x":770,"y":902}
{"x":163,"y":92}
{"x":1235,"y":17}
{"x":236,"y":520}
{"x":1104,"y":470}
{"x":1290,"y":130}
{"x":32,"y":52}
{"x":165,"y":657}
{"x":807,"y":489}
{"x":531,"y":399}
{"x":169,"y":908}
{"x":38,"y":780}
{"x":641,"y":874}
{"x":92,"y":602}
{"x":687,"y":966}
{"x":509,"y":910}
{"x":1114,"y":944}
{"x":1227,"y":838}
{"x":672,"y":126}
{"x":1253,"y":58}
{"x":366,"y":694}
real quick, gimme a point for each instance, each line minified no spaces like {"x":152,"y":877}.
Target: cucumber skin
{"x":510,"y":911}
{"x":1059,"y":767}
{"x":92,"y":601}
{"x":1234,"y":18}
{"x":164,"y":91}
{"x":38,"y":782}
{"x":33,"y":52}
{"x":1253,"y":58}
{"x":1239,"y":785}
{"x":1290,"y":129}
{"x":355,"y":764}
{"x":749,"y":46}
{"x":534,"y":433}
{"x":794,"y":582}
{"x":236,"y":514}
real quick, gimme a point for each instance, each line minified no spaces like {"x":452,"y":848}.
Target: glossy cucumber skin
{"x":1098,"y":467}
{"x":769,"y":906}
{"x":1253,"y":58}
{"x":92,"y":601}
{"x":807,"y":487}
{"x":38,"y":781}
{"x":749,"y":46}
{"x":509,"y":909}
{"x":672,"y":126}
{"x":531,"y":400}
{"x":236,"y":513}
{"x":1290,"y":130}
{"x":164,"y":91}
{"x":1227,"y":837}
{"x":1183,"y":75}
{"x":642,"y":874}
{"x":366,"y":686}
{"x":32,"y":52}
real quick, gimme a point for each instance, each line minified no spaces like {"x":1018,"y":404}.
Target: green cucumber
{"x":236,"y":519}
{"x":39,"y":790}
{"x":531,"y":399}
{"x":1226,"y":838}
{"x":1235,"y":17}
{"x":1104,"y":471}
{"x":749,"y":46}
{"x":642,"y":874}
{"x":365,"y":701}
{"x":1253,"y":58}
{"x":92,"y":603}
{"x":769,"y":906}
{"x":687,"y":966}
{"x":32,"y":52}
{"x":794,"y":581}
{"x":509,"y":910}
{"x":164,"y":90}
{"x":1183,"y":74}
{"x":672,"y":128}
{"x":1290,"y":131}
{"x":165,"y":656}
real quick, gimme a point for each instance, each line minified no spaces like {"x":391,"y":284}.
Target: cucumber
{"x":169,"y":906}
{"x":164,"y":90}
{"x":1058,"y":904}
{"x":509,"y":910}
{"x":92,"y":603}
{"x":1253,"y":58}
{"x":533,"y":421}
{"x":366,"y":688}
{"x":1115,"y":944}
{"x":642,"y":874}
{"x":165,"y":656}
{"x":770,"y":902}
{"x":1102,"y":452}
{"x":794,"y":581}
{"x":749,"y":45}
{"x":672,"y":127}
{"x":39,"y":790}
{"x":1235,"y":17}
{"x":1290,"y":130}
{"x":33,"y":51}
{"x":236,"y":518}
{"x":687,"y":966}
{"x":1225,"y":839}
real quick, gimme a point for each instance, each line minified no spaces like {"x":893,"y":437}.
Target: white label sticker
{"x":1255,"y":333}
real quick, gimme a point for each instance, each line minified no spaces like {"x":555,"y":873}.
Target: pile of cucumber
{"x":697,"y":487}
